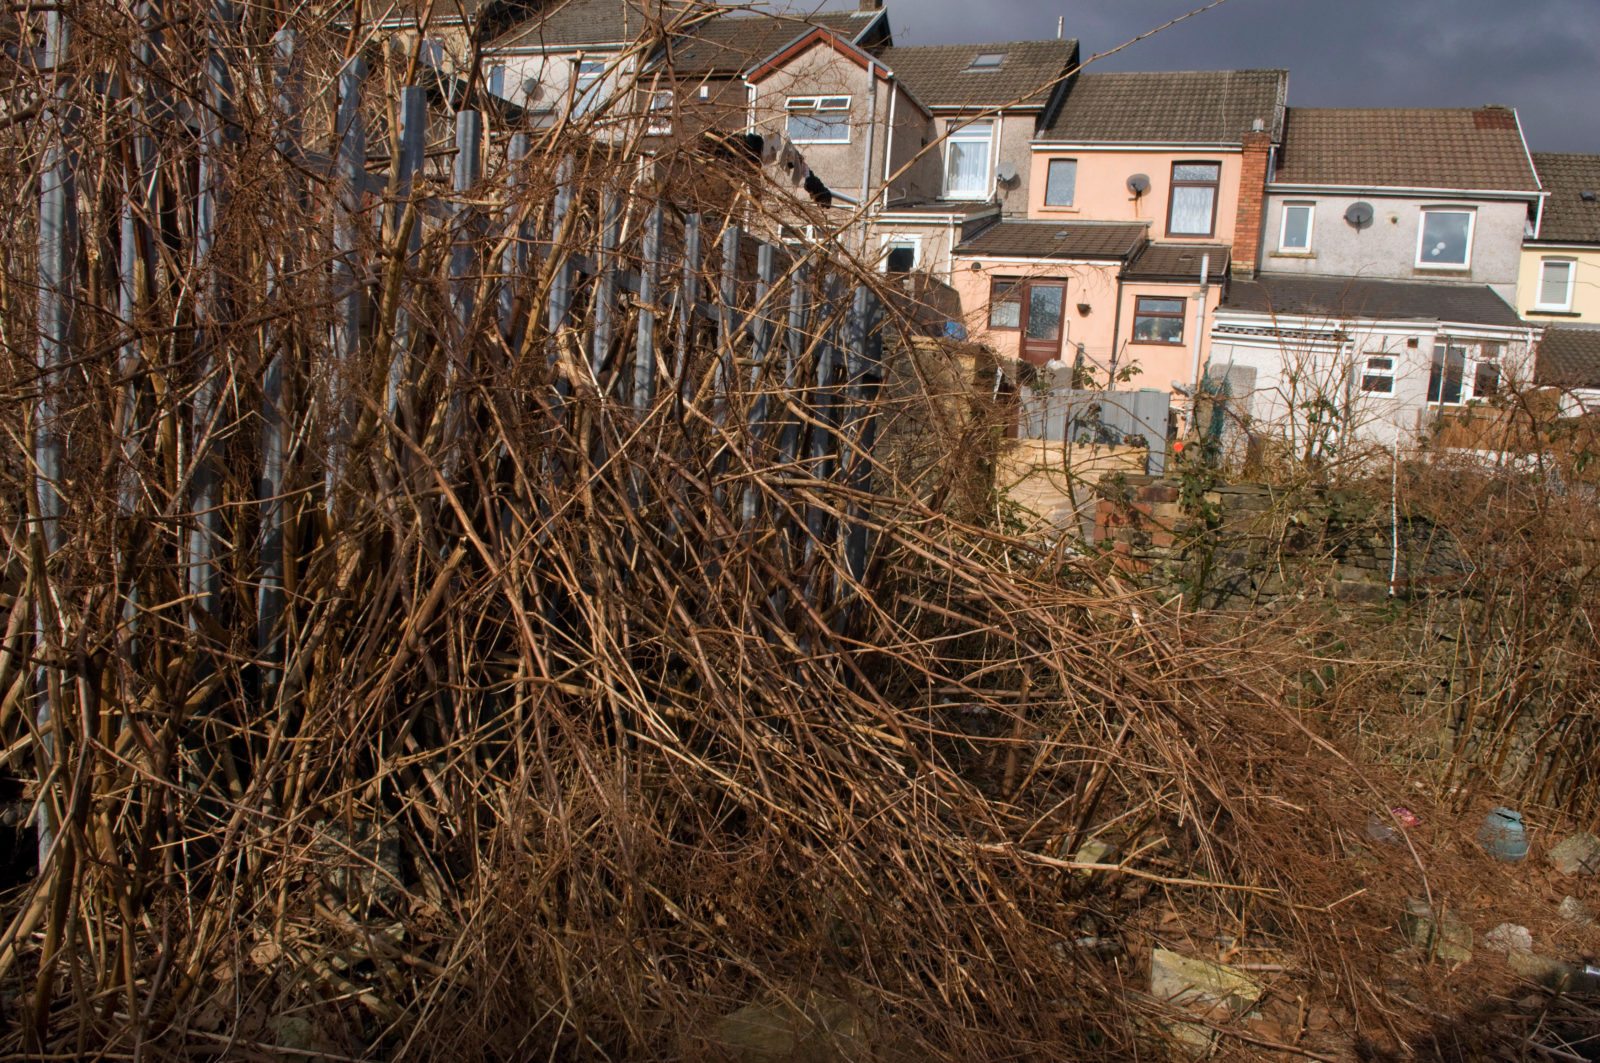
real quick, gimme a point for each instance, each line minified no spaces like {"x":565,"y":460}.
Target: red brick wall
{"x":1252,"y":203}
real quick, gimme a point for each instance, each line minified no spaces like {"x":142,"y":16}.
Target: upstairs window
{"x":1062,"y":184}
{"x":819,"y":119}
{"x":1193,"y":207}
{"x":966,"y":173}
{"x":586,"y":88}
{"x":1295,"y":236}
{"x":1555,"y":284}
{"x":660,"y":123}
{"x":1446,"y":239}
{"x":987,"y":61}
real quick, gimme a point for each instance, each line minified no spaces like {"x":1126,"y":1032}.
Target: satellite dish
{"x":1139,"y":184}
{"x":1359,"y":215}
{"x":1006,"y":173}
{"x":531,"y":89}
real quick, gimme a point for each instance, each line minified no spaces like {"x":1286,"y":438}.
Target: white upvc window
{"x":818,"y":119}
{"x":1556,"y":277}
{"x":1377,"y":373}
{"x":1294,"y":234}
{"x":1444,"y":240}
{"x":967,"y":169}
{"x":660,"y":123}
{"x":586,"y":85}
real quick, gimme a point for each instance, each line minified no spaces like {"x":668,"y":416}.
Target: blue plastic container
{"x":1503,"y":835}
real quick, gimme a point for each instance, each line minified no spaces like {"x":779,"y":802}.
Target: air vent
{"x":1587,"y":195}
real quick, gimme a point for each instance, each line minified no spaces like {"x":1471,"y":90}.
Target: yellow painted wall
{"x":1585,"y":290}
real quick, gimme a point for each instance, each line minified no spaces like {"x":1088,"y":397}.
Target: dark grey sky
{"x":1539,"y":56}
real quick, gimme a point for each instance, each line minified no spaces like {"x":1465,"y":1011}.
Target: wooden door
{"x":1043,"y":307}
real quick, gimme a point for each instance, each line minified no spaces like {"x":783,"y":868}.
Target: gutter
{"x":888,"y":142}
{"x":1398,"y":190}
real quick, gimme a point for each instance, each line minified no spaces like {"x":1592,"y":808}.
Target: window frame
{"x":586,"y":98}
{"x":890,"y":242}
{"x":1388,"y":374}
{"x":1049,"y":171}
{"x":974,"y":66}
{"x":658,"y":117}
{"x":1440,"y":363}
{"x":1571,"y":286}
{"x":814,"y":106}
{"x":1422,"y":233}
{"x":1283,"y":228}
{"x":964,"y":135}
{"x":1181,"y":317}
{"x":1173,"y":184}
{"x":1016,"y":285}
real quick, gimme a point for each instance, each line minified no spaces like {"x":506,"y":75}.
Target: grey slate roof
{"x":1458,"y":148}
{"x":1170,"y":107}
{"x":1568,"y":218}
{"x":1568,"y":356}
{"x":1050,"y":239}
{"x":734,"y":43}
{"x":938,"y":75}
{"x":1179,"y":262}
{"x":1347,"y":297}
{"x":578,"y":23}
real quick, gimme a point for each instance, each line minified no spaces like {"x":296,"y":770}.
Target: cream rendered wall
{"x":911,"y":132}
{"x":1585,"y":288}
{"x":822,"y":71}
{"x":1094,"y":283}
{"x":1162,"y":364}
{"x":1102,"y":188}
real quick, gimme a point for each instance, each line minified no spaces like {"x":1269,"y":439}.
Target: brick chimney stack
{"x":1252,"y":201}
{"x":871,"y":5}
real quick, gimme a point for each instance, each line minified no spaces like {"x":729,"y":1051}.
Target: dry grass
{"x":556,"y":750}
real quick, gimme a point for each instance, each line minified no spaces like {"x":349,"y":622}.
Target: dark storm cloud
{"x":1540,"y":56}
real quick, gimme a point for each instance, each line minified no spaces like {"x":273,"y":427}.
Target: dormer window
{"x":987,"y":61}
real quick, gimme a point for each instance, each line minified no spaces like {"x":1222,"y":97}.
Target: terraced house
{"x":1144,"y":193}
{"x":1559,"y":283}
{"x":1391,"y":245}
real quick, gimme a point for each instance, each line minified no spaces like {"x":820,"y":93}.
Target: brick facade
{"x":1252,"y":203}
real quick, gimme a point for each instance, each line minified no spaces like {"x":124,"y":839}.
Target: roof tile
{"x":1568,"y":217}
{"x":1170,"y":107}
{"x":1160,"y":262}
{"x":1458,"y":148}
{"x":940,"y":75}
{"x":1569,"y":357}
{"x":1045,"y":239}
{"x":1346,"y":297}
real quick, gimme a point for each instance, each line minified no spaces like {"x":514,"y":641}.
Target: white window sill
{"x":1436,"y":267}
{"x":792,"y":141}
{"x":1292,"y":254}
{"x":1061,"y":210}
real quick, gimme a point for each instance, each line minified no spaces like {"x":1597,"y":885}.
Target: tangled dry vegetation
{"x":514,"y":716}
